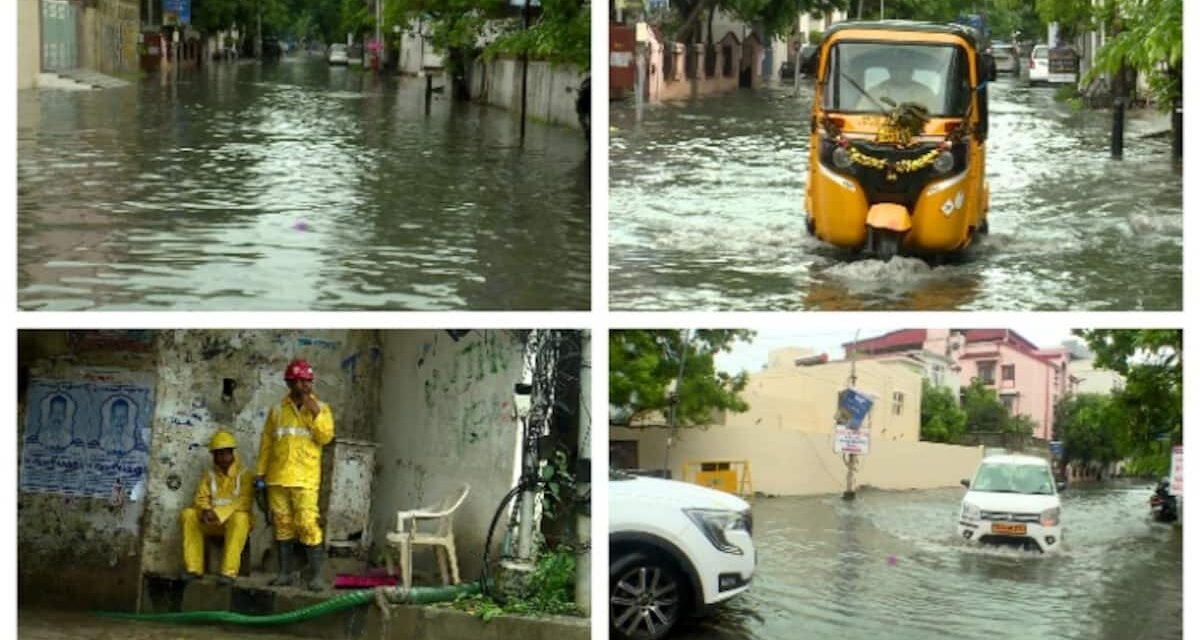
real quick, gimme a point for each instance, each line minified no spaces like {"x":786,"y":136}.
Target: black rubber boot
{"x":316,"y":556}
{"x":284,"y":549}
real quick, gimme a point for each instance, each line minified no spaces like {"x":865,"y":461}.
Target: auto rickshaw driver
{"x":901,"y":86}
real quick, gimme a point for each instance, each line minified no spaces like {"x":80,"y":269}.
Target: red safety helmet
{"x":298,"y":370}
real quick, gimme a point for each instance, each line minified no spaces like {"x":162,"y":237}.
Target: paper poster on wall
{"x":86,"y":439}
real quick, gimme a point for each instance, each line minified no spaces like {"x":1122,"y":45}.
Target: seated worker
{"x":901,"y":86}
{"x":222,"y":505}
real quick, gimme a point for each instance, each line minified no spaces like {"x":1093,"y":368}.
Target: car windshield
{"x":1014,"y":478}
{"x":340,"y":48}
{"x":1041,"y":53}
{"x":867,"y":76}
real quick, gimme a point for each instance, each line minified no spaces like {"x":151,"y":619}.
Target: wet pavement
{"x":890,"y":565}
{"x":43,"y":624}
{"x":295,"y":186}
{"x":707,"y":213}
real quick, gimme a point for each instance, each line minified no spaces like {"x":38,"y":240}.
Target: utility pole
{"x":524,"y":70}
{"x":851,"y":460}
{"x":379,"y":33}
{"x":675,"y":401}
{"x":881,"y":9}
{"x":258,"y":38}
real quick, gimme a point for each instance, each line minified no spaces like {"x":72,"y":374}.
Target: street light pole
{"x":852,"y":459}
{"x":524,"y":71}
{"x":675,"y":402}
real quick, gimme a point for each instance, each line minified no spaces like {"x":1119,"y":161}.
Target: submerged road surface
{"x":707,"y":212}
{"x":294,"y":186}
{"x":890,"y":565}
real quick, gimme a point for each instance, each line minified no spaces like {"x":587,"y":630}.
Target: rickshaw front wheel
{"x":883,"y":243}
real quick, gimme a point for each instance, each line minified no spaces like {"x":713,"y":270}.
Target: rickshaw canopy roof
{"x":969,"y":34}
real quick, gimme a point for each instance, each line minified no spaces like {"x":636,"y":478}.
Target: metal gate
{"x":60,"y":48}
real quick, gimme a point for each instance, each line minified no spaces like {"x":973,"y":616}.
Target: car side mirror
{"x":966,"y":483}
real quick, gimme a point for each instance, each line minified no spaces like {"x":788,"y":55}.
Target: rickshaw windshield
{"x":864,"y":77}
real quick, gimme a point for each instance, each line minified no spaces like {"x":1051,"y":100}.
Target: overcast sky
{"x":753,"y":356}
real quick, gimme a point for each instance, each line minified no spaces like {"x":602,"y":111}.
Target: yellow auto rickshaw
{"x":899,"y":125}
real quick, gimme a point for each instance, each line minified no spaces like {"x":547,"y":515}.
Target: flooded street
{"x":707,"y":212}
{"x":39,"y":624}
{"x":890,"y":566}
{"x":295,"y":185}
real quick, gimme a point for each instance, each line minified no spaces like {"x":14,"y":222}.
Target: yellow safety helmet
{"x":222,"y":440}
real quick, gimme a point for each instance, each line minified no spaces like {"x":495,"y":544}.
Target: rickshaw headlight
{"x":944,"y":162}
{"x":841,"y":158}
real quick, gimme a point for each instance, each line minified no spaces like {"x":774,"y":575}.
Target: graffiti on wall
{"x":86,"y":439}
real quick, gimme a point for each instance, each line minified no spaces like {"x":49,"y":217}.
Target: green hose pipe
{"x":395,"y":595}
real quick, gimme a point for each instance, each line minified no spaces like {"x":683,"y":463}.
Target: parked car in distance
{"x":1012,"y":501}
{"x":337,"y":54}
{"x":675,"y":549}
{"x":1005,"y":56}
{"x":1039,"y":64}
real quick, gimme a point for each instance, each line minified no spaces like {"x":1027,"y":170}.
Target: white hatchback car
{"x":1039,"y":64}
{"x":1013,"y":500}
{"x":675,"y":548}
{"x":338,"y":55}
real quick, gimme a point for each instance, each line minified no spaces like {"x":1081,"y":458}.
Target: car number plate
{"x":1008,"y":529}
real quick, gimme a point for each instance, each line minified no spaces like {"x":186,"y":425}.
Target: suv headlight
{"x":714,"y":523}
{"x":1050,"y":517}
{"x":970,"y":512}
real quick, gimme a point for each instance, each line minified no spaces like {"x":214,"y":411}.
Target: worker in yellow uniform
{"x":289,"y":464}
{"x":221,"y":508}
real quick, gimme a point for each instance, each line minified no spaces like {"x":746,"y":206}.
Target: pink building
{"x":1028,"y":380}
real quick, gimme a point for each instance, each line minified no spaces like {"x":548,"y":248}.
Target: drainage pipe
{"x":394,"y":595}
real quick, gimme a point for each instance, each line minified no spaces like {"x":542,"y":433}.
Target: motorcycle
{"x":1163,"y":506}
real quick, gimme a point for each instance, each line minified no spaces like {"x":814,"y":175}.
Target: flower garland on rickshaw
{"x":905,"y":122}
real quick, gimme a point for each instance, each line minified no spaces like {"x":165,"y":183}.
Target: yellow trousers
{"x":294,"y":514}
{"x":234,"y":529}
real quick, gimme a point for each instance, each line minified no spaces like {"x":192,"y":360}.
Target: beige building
{"x":787,"y":434}
{"x":29,"y":43}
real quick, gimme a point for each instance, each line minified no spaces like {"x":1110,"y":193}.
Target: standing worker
{"x":221,"y":508}
{"x":289,"y":464}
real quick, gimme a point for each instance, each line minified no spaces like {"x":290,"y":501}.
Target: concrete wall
{"x":29,"y":43}
{"x":551,"y":89}
{"x":416,"y":53}
{"x":109,"y":33}
{"x":191,"y":369}
{"x":790,"y":462}
{"x":805,"y":398}
{"x":447,"y":418}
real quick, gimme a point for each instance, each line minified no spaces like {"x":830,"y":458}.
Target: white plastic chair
{"x":406,"y":536}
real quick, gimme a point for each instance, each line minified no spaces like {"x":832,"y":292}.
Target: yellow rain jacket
{"x":290,"y":452}
{"x":225,"y":494}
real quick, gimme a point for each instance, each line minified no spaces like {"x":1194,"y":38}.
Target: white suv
{"x":674,"y":549}
{"x":1013,"y":500}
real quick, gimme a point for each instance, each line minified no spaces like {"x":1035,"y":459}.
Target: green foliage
{"x":559,"y":484}
{"x":355,"y":18}
{"x":1073,"y":16}
{"x":550,"y":590}
{"x":942,"y":420}
{"x":561,"y":34}
{"x":1151,"y":361}
{"x":1149,"y":33}
{"x":1149,"y":465}
{"x":1089,"y":426}
{"x":643,"y":363}
{"x":1020,"y":424}
{"x":984,"y":410}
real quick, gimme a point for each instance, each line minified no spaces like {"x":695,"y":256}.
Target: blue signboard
{"x":1056,"y":449}
{"x":181,"y":8}
{"x":853,"y":408}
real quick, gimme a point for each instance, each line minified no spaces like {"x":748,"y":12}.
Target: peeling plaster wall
{"x":446,"y":418}
{"x":193,"y":365}
{"x":77,"y":551}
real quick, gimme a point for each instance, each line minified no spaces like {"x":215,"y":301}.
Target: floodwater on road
{"x":295,"y":185}
{"x":890,"y":565}
{"x":41,"y":624}
{"x":706,"y":205}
